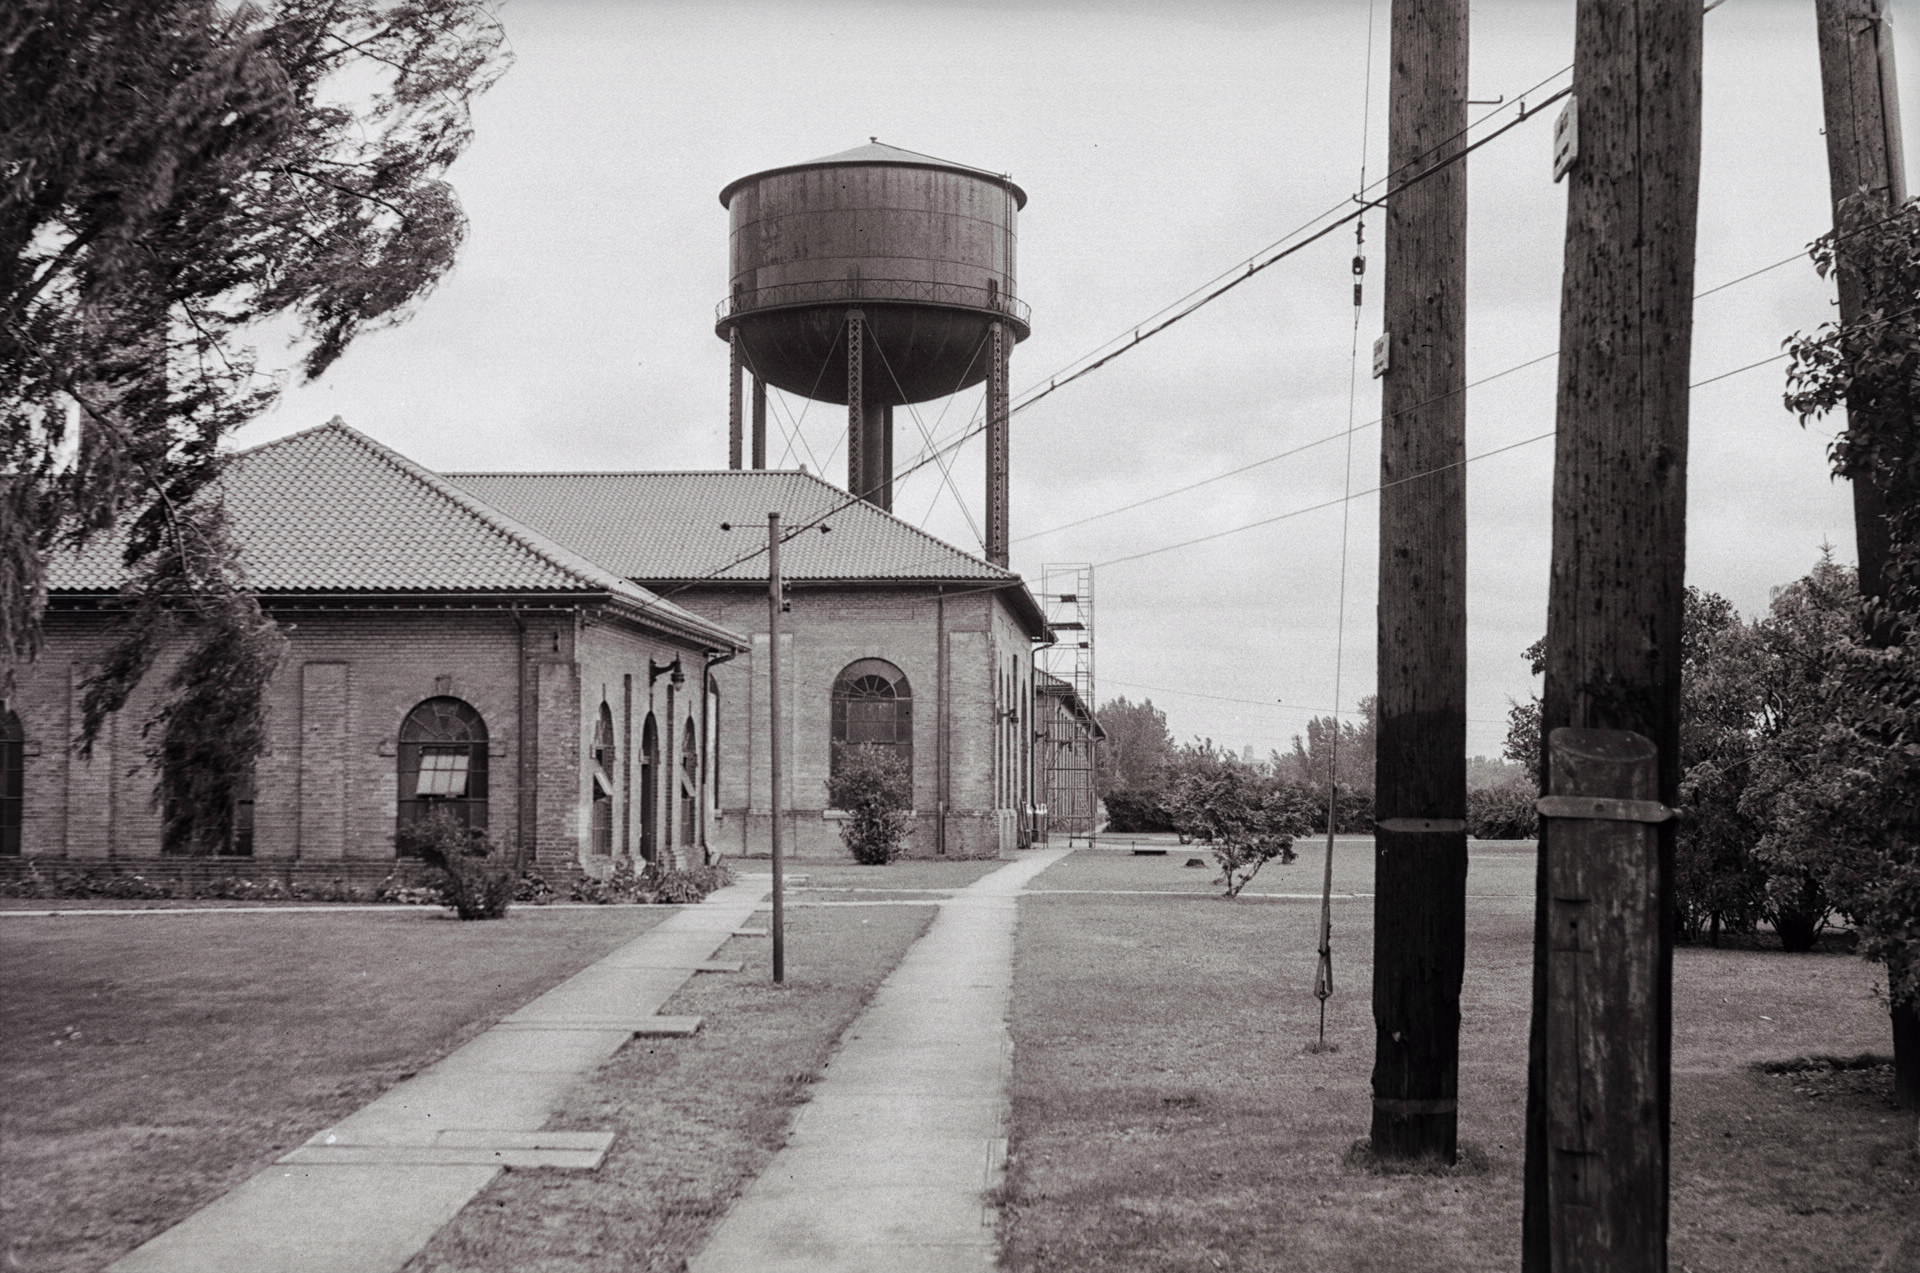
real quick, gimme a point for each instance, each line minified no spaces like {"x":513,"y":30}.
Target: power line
{"x":1335,"y":437}
{"x":1150,"y":328}
{"x":1411,"y":477}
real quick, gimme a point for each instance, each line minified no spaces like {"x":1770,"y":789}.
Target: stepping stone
{"x":752,"y":932}
{"x":720,"y":965}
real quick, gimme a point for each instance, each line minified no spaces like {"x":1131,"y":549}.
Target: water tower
{"x":874,"y":278}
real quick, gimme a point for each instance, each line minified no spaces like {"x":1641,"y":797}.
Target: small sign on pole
{"x":1381,"y":346}
{"x":1566,"y":138}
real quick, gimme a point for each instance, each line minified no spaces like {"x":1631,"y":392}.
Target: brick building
{"x":440,"y":654}
{"x":893,"y":637}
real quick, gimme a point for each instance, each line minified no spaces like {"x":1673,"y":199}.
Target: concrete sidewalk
{"x":886,"y":1168}
{"x":366,"y":1194}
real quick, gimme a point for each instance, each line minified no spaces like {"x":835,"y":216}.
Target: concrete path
{"x":366,"y":1194}
{"x":887,"y":1166}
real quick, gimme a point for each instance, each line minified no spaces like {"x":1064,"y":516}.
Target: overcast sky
{"x":1160,"y":145}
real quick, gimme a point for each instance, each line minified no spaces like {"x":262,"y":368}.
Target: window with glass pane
{"x":873,"y":704}
{"x":443,"y":763}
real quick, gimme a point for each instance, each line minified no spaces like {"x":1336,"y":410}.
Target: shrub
{"x":873,"y":785}
{"x":1503,"y":813}
{"x":532,"y":887}
{"x":692,"y":884}
{"x":475,"y":881}
{"x":1244,"y":821}
{"x":399,"y":890}
{"x":1137,"y":810}
{"x":650,"y":885}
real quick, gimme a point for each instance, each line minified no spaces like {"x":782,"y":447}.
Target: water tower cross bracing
{"x":874,"y":278}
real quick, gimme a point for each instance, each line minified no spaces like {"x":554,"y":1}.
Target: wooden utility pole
{"x":1863,"y":158}
{"x":1420,"y":791}
{"x":774,"y":758}
{"x":1600,"y":1051}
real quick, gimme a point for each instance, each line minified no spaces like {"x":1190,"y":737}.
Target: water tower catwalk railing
{"x":874,"y":291}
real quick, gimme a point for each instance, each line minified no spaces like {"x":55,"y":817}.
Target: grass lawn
{"x":151,"y":1062}
{"x":697,"y":1118}
{"x":1166,"y":1115}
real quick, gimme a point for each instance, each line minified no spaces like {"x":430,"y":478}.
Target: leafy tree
{"x":1245,"y":819}
{"x":1523,"y":719}
{"x":1804,"y":646}
{"x":1871,"y":366}
{"x":874,"y":786}
{"x":1135,"y":752}
{"x":182,"y":177}
{"x":1312,"y":761}
{"x":1719,"y":882}
{"x":1489,"y":774}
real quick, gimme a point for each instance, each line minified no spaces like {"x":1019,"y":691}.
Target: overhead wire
{"x":1365,"y":205}
{"x":1323,"y":969}
{"x":1338,"y":434}
{"x":1243,"y":269}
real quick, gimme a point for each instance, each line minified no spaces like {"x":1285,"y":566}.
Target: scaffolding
{"x":1067,"y":728}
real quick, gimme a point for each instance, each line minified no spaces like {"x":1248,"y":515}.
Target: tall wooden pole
{"x":1598,"y":1098}
{"x":1864,"y":158}
{"x":1420,"y":791}
{"x":774,"y":758}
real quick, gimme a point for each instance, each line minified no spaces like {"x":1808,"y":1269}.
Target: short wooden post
{"x":1606,"y":1169}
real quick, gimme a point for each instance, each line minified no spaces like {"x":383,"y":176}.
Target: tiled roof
{"x":331,"y":510}
{"x":667,"y":526}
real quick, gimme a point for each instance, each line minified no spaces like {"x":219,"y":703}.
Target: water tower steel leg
{"x":886,"y":460}
{"x":856,"y":407}
{"x":759,"y":423}
{"x":876,"y":444}
{"x":733,"y":399}
{"x":997,"y":415}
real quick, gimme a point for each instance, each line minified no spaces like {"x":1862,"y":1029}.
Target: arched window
{"x":873,"y":704}
{"x":689,"y":781}
{"x":443,"y":763}
{"x":650,"y":790}
{"x":604,"y":760}
{"x":13,"y":775}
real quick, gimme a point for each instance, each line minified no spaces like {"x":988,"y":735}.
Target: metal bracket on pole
{"x":1604,"y":809}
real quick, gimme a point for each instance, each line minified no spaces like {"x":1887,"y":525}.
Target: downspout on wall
{"x":523,"y":853}
{"x":942,"y":752}
{"x":710,"y":660}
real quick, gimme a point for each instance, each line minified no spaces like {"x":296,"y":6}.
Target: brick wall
{"x":829,"y":628}
{"x":615,"y":668}
{"x":327,"y":788}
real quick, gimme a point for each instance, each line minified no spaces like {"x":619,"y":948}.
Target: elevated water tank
{"x":923,"y":247}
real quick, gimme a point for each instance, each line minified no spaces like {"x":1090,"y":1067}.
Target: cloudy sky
{"x":1160,"y":146}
